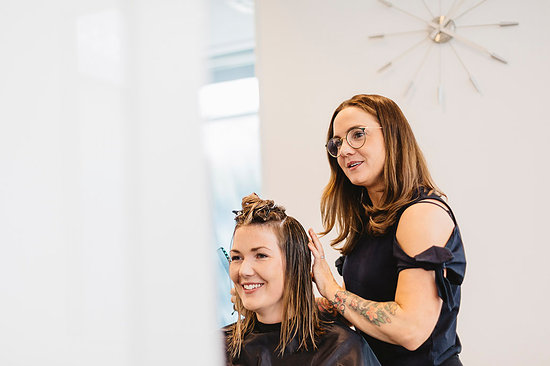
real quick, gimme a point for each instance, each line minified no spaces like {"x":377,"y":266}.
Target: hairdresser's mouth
{"x":353,"y":164}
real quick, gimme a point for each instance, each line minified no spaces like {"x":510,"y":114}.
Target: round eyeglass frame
{"x":347,"y":139}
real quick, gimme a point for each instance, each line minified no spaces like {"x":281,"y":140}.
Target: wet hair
{"x":300,"y":319}
{"x":405,"y":174}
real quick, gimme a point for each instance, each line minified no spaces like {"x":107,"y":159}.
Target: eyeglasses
{"x":355,"y":137}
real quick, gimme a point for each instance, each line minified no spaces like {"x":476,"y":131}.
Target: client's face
{"x":257,"y":269}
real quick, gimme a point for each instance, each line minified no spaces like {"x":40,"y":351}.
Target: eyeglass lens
{"x":355,"y":138}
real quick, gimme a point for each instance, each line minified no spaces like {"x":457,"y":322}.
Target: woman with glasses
{"x":278,"y":322}
{"x":402,"y":255}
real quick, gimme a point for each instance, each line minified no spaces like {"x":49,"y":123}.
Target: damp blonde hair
{"x":300,"y":318}
{"x":348,"y":206}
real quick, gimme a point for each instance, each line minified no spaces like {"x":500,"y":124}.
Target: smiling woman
{"x":278,"y":323}
{"x":256,"y":265}
{"x":403,"y":259}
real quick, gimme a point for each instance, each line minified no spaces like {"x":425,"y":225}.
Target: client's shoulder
{"x":227,"y":329}
{"x":336,"y":329}
{"x":346,"y":345}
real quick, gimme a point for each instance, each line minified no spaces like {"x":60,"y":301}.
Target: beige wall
{"x":488,"y":152}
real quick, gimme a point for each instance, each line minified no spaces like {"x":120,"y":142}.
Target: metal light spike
{"x":474,"y":83}
{"x":442,"y":29}
{"x":385,"y":67}
{"x":408,"y":88}
{"x":498,"y":58}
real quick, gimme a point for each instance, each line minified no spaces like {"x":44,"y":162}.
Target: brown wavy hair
{"x":300,"y":319}
{"x":347,"y":206}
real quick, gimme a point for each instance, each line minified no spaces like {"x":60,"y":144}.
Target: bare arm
{"x":410,"y":319}
{"x":327,"y":308}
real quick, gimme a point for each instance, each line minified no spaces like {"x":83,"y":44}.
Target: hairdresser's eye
{"x":357,"y":134}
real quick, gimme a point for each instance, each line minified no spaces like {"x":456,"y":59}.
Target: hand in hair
{"x":322,"y":275}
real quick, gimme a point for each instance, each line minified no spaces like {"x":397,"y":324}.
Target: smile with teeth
{"x":353,"y":164}
{"x":252,"y":286}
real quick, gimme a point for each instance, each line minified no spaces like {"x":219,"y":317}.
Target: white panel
{"x":105,"y":251}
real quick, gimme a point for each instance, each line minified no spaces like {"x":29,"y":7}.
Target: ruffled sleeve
{"x":339,"y":263}
{"x":450,"y":257}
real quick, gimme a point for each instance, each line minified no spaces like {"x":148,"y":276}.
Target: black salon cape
{"x":339,"y":345}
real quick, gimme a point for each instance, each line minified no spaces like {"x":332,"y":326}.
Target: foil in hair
{"x":261,"y":213}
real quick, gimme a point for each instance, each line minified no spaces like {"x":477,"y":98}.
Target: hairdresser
{"x":402,"y":255}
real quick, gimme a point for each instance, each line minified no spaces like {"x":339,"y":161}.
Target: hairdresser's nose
{"x":246,"y":269}
{"x":346,"y":149}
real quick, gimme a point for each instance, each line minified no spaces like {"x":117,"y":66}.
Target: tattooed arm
{"x":411,"y":317}
{"x":377,"y":313}
{"x":327,"y":308}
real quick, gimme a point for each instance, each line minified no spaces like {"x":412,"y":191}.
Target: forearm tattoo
{"x":325,"y":306}
{"x":377,"y":313}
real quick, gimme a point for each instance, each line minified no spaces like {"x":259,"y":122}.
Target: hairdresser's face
{"x":363,"y":166}
{"x":257,"y":269}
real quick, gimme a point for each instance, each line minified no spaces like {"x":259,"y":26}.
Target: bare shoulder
{"x":424,"y":225}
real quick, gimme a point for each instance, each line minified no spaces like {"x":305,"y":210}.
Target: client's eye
{"x":235,"y":258}
{"x":261,"y":255}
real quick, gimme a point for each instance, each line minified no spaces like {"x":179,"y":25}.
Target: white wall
{"x":488,"y":152}
{"x":104,"y":244}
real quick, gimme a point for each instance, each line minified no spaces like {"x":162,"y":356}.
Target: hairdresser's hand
{"x":322,"y":275}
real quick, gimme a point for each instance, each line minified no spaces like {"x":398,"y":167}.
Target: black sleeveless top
{"x":371,"y":269}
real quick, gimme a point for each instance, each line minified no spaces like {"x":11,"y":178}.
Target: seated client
{"x":278,"y":323}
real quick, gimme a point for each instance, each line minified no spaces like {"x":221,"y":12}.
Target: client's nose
{"x":246,"y":268}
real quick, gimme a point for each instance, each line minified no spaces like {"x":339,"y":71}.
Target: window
{"x":229,"y":107}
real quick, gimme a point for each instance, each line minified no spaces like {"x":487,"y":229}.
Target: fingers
{"x":312,"y":234}
{"x":316,"y":254}
{"x":317,"y":243}
{"x":314,"y":250}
